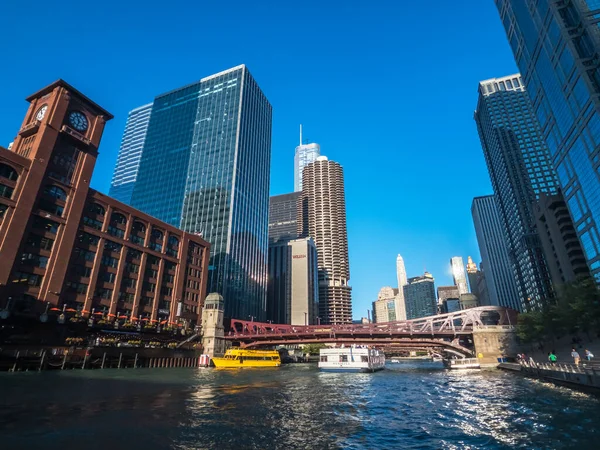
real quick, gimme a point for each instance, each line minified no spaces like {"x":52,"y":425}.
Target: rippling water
{"x":407,"y":406}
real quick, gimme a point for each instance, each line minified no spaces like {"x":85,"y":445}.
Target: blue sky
{"x":387,"y":88}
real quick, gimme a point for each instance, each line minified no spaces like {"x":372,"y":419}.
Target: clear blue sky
{"x":387,"y":88}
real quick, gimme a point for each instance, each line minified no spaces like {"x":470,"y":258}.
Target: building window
{"x":128,"y":283}
{"x":138,"y":227}
{"x":50,"y":207}
{"x":134,"y":254}
{"x":147,"y":301}
{"x":31,"y":279}
{"x":118,"y":218}
{"x":95,"y":208}
{"x":165,"y":304}
{"x":45,"y":224}
{"x":169,"y":278}
{"x":87,"y":238}
{"x":31,"y":259}
{"x":6,"y":191}
{"x":126,"y":297}
{"x":132,"y":268}
{"x":117,"y":232}
{"x":107,"y":277}
{"x":55,"y":192}
{"x":87,"y":255}
{"x":112,"y":246}
{"x":37,"y":241}
{"x":151,"y":273}
{"x":153,"y":260}
{"x":110,"y":261}
{"x":80,"y":288}
{"x":104,"y":293}
{"x":150,"y":287}
{"x":92,"y":223}
{"x":82,"y":271}
{"x":166,"y":291}
{"x":8,"y":172}
{"x":3,"y":209}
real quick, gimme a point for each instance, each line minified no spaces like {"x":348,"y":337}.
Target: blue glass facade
{"x":555,"y":45}
{"x":205,"y":168}
{"x":130,"y":154}
{"x":419,"y":297}
{"x":520,"y":169}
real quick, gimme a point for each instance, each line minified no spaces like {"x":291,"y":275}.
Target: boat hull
{"x":222,"y":363}
{"x":351,"y":369}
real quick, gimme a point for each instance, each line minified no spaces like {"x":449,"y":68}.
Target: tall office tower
{"x":384,"y":310}
{"x":419,"y":295}
{"x":130,"y":154}
{"x":305,"y":154}
{"x":555,"y":46}
{"x":322,"y":216}
{"x":477,"y":282}
{"x":293,"y":293}
{"x":519,"y":165}
{"x":205,"y":167}
{"x":401,"y":275}
{"x":499,"y":278}
{"x":458,"y":274}
{"x":283,"y":217}
{"x":564,"y":254}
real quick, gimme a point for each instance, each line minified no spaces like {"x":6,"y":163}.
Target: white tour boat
{"x":351,"y":359}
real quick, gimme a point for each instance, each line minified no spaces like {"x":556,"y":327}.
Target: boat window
{"x":364,"y":358}
{"x":323,"y":358}
{"x":343,"y":358}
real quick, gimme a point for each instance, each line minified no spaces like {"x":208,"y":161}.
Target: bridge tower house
{"x":493,"y":342}
{"x":213,"y":343}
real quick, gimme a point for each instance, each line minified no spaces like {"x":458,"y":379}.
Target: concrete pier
{"x":583,"y":377}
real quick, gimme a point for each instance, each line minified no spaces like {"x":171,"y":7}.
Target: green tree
{"x":531,"y":327}
{"x":312,"y":349}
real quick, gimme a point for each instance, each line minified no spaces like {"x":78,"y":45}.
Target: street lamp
{"x":305,"y":318}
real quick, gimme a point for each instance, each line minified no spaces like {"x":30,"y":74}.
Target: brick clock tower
{"x":45,"y":181}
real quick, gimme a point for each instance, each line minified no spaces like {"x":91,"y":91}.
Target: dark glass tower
{"x":520,"y":169}
{"x":205,"y":167}
{"x":556,"y":46}
{"x":283,"y":216}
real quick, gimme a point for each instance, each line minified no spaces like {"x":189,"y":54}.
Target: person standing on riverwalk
{"x":575,"y":356}
{"x":588,"y":355}
{"x":552,"y":357}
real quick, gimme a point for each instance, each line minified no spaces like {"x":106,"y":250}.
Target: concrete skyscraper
{"x":477,"y":283}
{"x":322,"y":216}
{"x":520,"y":170}
{"x":499,"y":278}
{"x":305,"y":154}
{"x":401,"y":271}
{"x":205,"y":167}
{"x":400,"y":306}
{"x":555,"y":45}
{"x":130,"y":154}
{"x":458,"y":274}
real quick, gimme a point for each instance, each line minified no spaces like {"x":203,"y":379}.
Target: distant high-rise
{"x":477,"y":283}
{"x":205,"y":167}
{"x":556,"y":47}
{"x":283,"y":216}
{"x":322,"y":216}
{"x":458,"y":274}
{"x":384,"y":307}
{"x":419,"y":295}
{"x":293,"y":293}
{"x":520,"y":169}
{"x":448,"y":299}
{"x":402,"y":281}
{"x":499,"y":278}
{"x":305,"y":154}
{"x":130,"y":154}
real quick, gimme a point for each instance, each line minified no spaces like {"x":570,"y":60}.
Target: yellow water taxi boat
{"x":239,"y":357}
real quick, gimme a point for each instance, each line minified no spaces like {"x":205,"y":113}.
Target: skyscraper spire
{"x":300,"y":134}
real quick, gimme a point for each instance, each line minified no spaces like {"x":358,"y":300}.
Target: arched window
{"x":6,"y":191}
{"x":173,"y":241}
{"x":118,"y":218}
{"x":8,"y":172}
{"x":95,"y":208}
{"x":138,"y":227}
{"x":157,"y":235}
{"x":56,"y":192}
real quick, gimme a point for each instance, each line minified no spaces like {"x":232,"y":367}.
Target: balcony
{"x":30,"y":128}
{"x":75,"y":135}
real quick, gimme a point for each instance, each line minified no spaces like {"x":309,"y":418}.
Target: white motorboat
{"x":351,"y":359}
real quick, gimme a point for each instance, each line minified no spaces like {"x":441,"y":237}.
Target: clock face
{"x":41,"y":112}
{"x":78,"y":121}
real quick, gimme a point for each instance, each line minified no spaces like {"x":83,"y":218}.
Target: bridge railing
{"x":452,"y":323}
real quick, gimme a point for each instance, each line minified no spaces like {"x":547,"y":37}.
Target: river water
{"x":407,"y":406}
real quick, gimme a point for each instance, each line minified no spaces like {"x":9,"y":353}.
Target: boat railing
{"x":464,"y":361}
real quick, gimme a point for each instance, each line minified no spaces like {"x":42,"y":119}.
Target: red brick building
{"x":68,"y":247}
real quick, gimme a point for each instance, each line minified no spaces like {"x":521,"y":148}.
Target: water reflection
{"x":415,"y":405}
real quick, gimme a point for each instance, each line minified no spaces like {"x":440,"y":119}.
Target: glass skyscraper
{"x":130,"y":153}
{"x":520,"y":169}
{"x":205,"y":168}
{"x":556,"y":46}
{"x":305,"y":154}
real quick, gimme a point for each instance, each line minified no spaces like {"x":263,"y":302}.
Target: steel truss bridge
{"x":450,"y":333}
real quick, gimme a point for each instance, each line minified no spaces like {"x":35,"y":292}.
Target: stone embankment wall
{"x":585,"y":377}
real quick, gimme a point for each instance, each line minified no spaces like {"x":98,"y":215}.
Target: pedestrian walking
{"x":575,"y":355}
{"x":552,"y":358}
{"x":588,"y":355}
